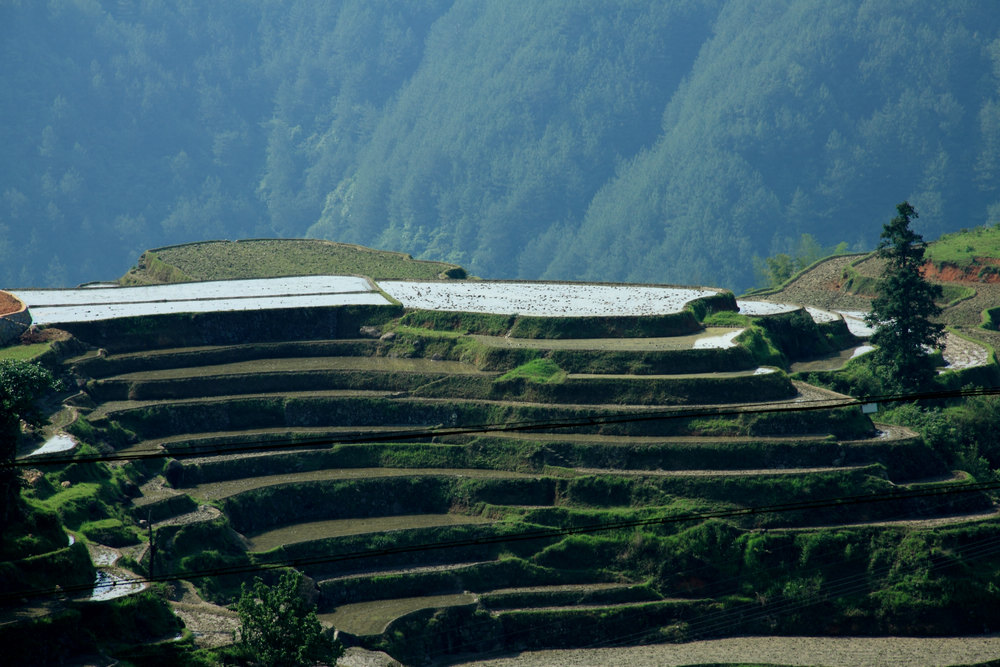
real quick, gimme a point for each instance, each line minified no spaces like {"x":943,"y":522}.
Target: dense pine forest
{"x":630,"y":140}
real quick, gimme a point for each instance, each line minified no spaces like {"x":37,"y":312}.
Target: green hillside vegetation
{"x":631,"y":140}
{"x":271,"y":258}
{"x":963,"y":248}
{"x":621,"y":509}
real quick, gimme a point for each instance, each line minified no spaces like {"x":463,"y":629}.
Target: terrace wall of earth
{"x":98,"y":367}
{"x":12,"y":325}
{"x":905,"y":459}
{"x":647,"y":390}
{"x":798,"y":336}
{"x":504,"y":573}
{"x":211,"y":415}
{"x":127,"y":334}
{"x":407,"y":548}
{"x":410,"y":342}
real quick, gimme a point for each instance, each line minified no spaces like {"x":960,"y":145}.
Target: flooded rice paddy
{"x":542,"y":299}
{"x":216,"y":289}
{"x":61,"y":442}
{"x":86,"y":313}
{"x":109,"y":586}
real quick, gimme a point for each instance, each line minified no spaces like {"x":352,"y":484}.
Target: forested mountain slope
{"x":629,"y":140}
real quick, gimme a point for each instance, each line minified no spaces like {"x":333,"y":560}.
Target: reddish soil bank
{"x":9,"y":303}
{"x":950,"y":273}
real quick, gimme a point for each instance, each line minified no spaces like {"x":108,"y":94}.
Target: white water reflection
{"x":109,"y":586}
{"x":759,"y":308}
{"x":60,"y":442}
{"x":717,"y":342}
{"x":543,"y":299}
{"x":861,"y":349}
{"x":855,"y":320}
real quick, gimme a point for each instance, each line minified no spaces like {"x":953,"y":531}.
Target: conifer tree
{"x":902,"y":310}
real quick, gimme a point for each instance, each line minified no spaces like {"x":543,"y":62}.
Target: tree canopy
{"x":21,"y":384}
{"x":621,"y":140}
{"x":903,"y":307}
{"x":278,"y":628}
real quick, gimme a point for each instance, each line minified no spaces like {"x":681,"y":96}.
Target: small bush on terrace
{"x":543,"y":371}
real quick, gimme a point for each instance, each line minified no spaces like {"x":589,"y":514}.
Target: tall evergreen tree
{"x":902,"y":309}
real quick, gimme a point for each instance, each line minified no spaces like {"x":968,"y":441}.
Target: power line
{"x":512,"y":427}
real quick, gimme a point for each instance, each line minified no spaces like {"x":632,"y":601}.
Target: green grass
{"x":726,"y":318}
{"x":543,"y":371}
{"x":961,"y":248}
{"x":265,"y":258}
{"x":952,"y":294}
{"x":25,"y":352}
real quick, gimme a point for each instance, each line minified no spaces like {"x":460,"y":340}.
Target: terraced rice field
{"x":542,"y":299}
{"x":388,"y":470}
{"x":709,"y":338}
{"x":371,"y":618}
{"x":318,"y":530}
{"x":56,"y":306}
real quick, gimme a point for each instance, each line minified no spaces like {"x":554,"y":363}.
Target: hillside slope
{"x":629,"y":140}
{"x":459,"y":475}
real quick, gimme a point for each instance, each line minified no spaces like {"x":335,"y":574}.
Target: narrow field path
{"x":109,"y":408}
{"x":371,"y":618}
{"x":219,"y":490}
{"x":710,"y":337}
{"x":422,"y":569}
{"x":318,"y":530}
{"x":732,"y":472}
{"x":672,"y":376}
{"x":304,"y":365}
{"x":992,"y":514}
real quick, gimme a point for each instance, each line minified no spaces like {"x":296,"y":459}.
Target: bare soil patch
{"x":811,"y":651}
{"x":9,"y":303}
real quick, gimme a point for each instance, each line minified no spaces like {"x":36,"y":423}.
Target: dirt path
{"x":811,"y":651}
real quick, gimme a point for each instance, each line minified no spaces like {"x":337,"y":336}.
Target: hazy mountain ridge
{"x":616,"y":141}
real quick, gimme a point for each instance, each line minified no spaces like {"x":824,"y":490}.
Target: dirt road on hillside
{"x":812,"y":651}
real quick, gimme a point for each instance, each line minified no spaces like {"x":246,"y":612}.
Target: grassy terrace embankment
{"x":378,"y":455}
